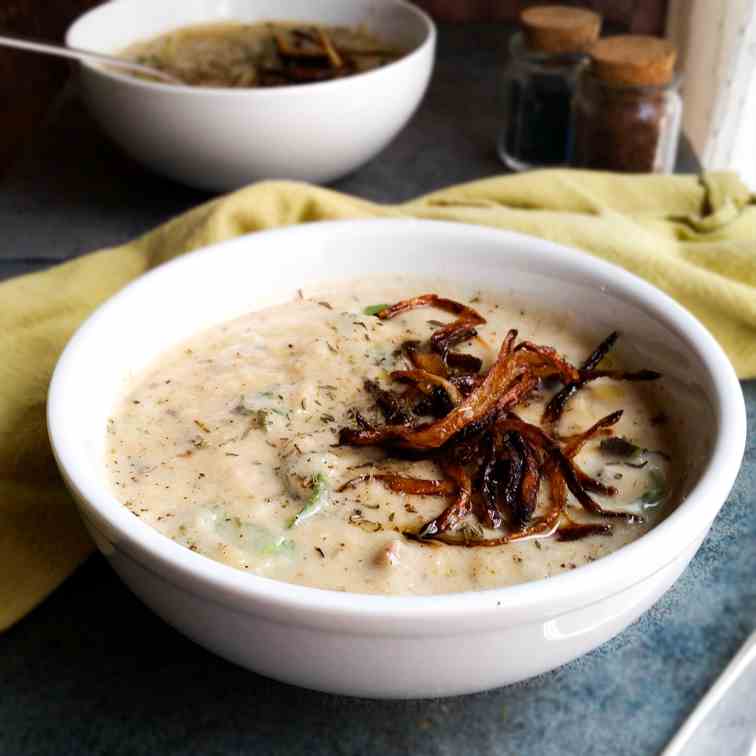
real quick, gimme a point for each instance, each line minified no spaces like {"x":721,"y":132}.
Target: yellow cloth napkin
{"x":693,"y":237}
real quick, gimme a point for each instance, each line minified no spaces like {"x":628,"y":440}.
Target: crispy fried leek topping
{"x":494,"y":463}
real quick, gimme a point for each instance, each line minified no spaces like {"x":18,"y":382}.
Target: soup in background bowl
{"x":396,"y":645}
{"x":268,"y":54}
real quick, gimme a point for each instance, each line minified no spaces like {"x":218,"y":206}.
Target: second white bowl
{"x":221,"y":139}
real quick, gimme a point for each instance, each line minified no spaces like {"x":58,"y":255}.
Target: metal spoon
{"x":33,"y":45}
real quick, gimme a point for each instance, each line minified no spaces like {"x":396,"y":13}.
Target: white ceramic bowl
{"x":385,"y":646}
{"x":221,"y":139}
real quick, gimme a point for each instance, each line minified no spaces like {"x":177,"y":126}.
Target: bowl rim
{"x":428,"y":43}
{"x":690,"y":520}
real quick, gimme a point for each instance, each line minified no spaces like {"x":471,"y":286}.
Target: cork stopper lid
{"x":560,"y":28}
{"x":634,"y":60}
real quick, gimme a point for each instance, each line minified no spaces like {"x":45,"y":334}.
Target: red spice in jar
{"x":626,"y":111}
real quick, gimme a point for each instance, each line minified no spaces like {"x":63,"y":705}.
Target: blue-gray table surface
{"x":93,"y":671}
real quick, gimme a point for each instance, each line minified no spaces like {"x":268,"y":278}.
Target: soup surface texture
{"x":229,"y":445}
{"x":261,"y":55}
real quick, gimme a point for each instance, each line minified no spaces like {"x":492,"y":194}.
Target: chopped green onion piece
{"x":280,"y":545}
{"x":316,"y":501}
{"x":248,"y":536}
{"x":374,"y":309}
{"x":620,"y":447}
{"x":656,"y":491}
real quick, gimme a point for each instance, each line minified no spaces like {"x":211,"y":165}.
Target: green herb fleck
{"x":259,"y":409}
{"x":374,"y":309}
{"x":248,"y":536}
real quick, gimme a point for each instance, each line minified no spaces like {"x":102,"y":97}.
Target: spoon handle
{"x":33,"y":45}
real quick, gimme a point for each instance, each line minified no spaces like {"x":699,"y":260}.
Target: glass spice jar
{"x":627,"y":108}
{"x":539,"y":82}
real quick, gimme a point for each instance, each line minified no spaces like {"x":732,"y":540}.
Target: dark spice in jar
{"x":539,"y":84}
{"x":626,"y":112}
{"x":538,"y":113}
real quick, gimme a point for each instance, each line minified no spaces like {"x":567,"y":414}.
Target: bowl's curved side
{"x":221,"y":139}
{"x":375,"y":665}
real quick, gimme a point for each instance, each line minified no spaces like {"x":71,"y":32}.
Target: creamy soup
{"x":261,"y":55}
{"x":233,"y":445}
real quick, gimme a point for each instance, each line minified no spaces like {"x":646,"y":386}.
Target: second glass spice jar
{"x":538,"y":84}
{"x":627,"y":107}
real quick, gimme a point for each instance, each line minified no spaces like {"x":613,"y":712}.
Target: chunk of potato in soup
{"x":229,"y":445}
